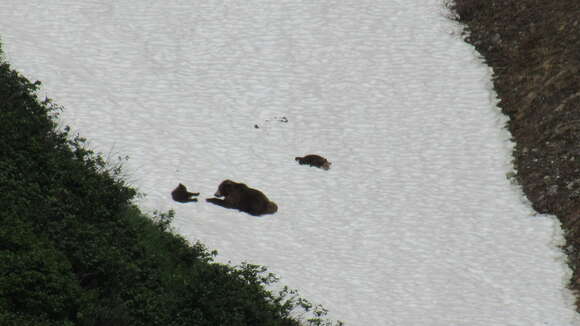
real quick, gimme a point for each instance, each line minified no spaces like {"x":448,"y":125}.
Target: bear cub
{"x":314,"y":160}
{"x":180,"y":194}
{"x":241,"y":197}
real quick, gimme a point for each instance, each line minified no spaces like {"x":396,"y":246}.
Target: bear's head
{"x":272,"y":208}
{"x":227,"y":187}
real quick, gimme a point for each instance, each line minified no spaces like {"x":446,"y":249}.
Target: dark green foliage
{"x":75,"y":251}
{"x":34,"y":277}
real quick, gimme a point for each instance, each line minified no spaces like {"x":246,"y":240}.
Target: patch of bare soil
{"x":533,"y":47}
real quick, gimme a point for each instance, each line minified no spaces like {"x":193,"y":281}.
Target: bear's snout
{"x":218,"y":194}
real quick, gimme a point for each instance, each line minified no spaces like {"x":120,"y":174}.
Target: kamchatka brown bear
{"x":180,"y":194}
{"x":314,"y":160}
{"x":241,"y":197}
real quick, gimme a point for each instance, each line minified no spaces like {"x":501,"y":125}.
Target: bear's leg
{"x":219,"y":202}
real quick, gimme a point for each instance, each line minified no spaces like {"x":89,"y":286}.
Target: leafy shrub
{"x":75,"y":251}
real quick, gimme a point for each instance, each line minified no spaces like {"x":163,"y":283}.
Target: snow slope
{"x":415,"y":223}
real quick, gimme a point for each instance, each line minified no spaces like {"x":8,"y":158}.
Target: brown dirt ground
{"x":533,"y":47}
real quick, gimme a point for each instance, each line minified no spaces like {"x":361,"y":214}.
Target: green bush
{"x":75,"y":251}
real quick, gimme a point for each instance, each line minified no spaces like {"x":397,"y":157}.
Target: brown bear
{"x":241,"y":197}
{"x":314,"y":160}
{"x":180,"y":194}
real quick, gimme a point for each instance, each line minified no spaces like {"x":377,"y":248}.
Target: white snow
{"x":414,"y":224}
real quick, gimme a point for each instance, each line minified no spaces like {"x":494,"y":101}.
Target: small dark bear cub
{"x":314,"y":160}
{"x":241,"y":197}
{"x":180,"y":194}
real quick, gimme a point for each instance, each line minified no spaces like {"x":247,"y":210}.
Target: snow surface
{"x":414,"y":224}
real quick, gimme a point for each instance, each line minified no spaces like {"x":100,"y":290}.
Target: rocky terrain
{"x":534,"y":50}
